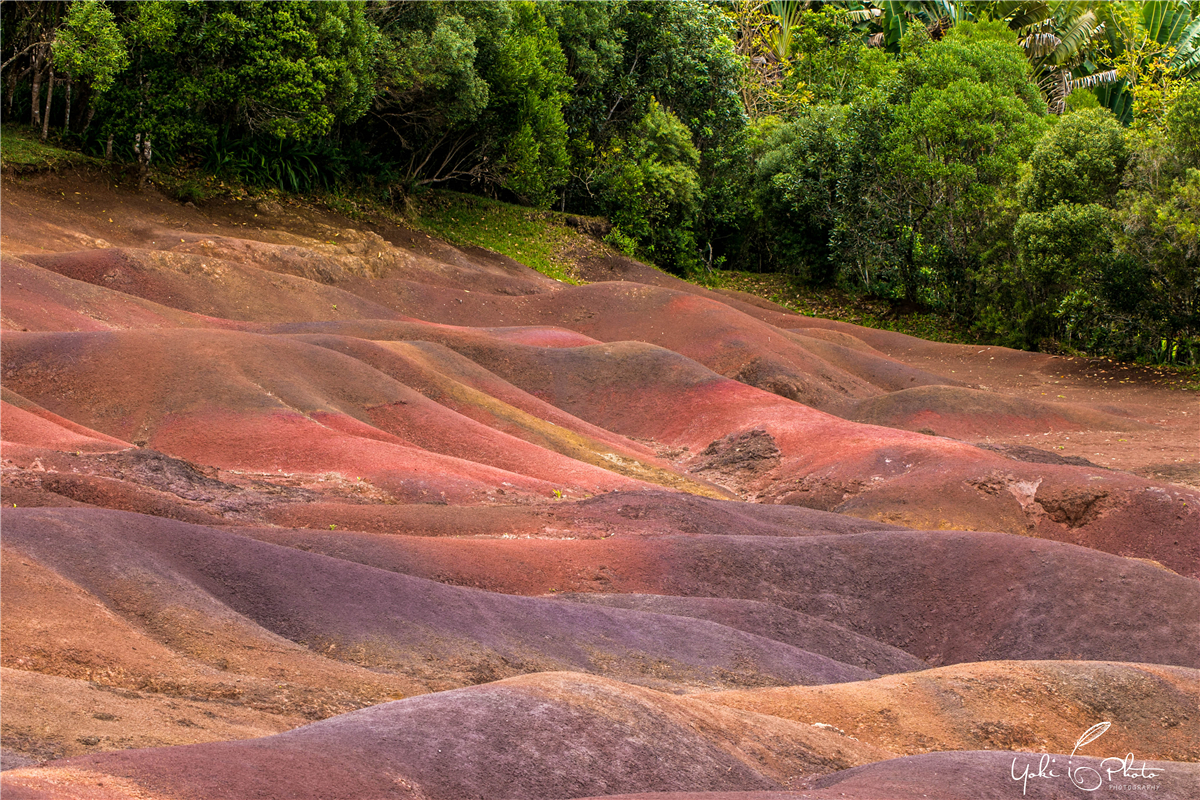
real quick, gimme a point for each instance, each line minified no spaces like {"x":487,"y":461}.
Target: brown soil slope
{"x":986,"y":706}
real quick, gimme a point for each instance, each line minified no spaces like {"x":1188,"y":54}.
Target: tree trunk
{"x":49,"y":100}
{"x":910,"y":269}
{"x":108,"y":147}
{"x":8,"y":95}
{"x":67,"y":116}
{"x":141,"y":147}
{"x":87,"y":121}
{"x":35,"y":117}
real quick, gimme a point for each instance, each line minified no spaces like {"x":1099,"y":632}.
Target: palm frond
{"x":1093,"y":80}
{"x":864,"y":14}
{"x":1039,"y":45}
{"x":1187,"y":52}
{"x":941,"y":9}
{"x":1027,"y":13}
{"x":1075,"y":38}
{"x":1165,"y":21}
{"x":788,"y":12}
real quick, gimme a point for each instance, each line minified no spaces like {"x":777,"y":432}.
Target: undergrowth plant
{"x":540,"y":240}
{"x":21,"y":149}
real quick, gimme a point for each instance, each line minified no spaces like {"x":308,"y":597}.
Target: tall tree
{"x":967,"y":116}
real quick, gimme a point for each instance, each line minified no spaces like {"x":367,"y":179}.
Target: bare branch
{"x":17,"y":55}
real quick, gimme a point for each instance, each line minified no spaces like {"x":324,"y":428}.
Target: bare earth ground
{"x":1166,"y":452}
{"x":301,"y":506}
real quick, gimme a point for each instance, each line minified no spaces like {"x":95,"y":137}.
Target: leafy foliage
{"x":1183,"y":124}
{"x":1067,"y":248}
{"x":651,"y":187}
{"x":89,"y":45}
{"x":529,"y":81}
{"x":1081,"y":160}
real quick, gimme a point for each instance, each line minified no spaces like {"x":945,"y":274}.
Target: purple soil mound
{"x":531,"y":738}
{"x":635,"y":513}
{"x":398,"y":621}
{"x":772,"y":622}
{"x":944,"y":596}
{"x":648,"y":512}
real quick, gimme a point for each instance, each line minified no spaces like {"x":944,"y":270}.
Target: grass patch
{"x":21,"y":149}
{"x":839,"y":305}
{"x":540,"y":240}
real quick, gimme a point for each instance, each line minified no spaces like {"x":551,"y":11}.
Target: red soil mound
{"x":280,"y":405}
{"x":29,"y":424}
{"x":714,"y":334}
{"x":622,"y":268}
{"x":429,"y":368}
{"x":544,"y":736}
{"x":316,"y":373}
{"x":835,"y":465}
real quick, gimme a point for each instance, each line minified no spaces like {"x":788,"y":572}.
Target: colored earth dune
{"x":300,"y":507}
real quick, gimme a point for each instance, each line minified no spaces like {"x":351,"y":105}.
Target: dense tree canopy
{"x":1029,"y":168}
